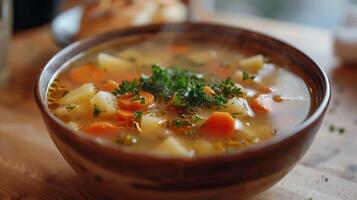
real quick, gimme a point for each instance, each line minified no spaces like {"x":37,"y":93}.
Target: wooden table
{"x":32,"y":168}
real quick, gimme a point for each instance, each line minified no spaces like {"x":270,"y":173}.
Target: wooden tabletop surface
{"x":32,"y":168}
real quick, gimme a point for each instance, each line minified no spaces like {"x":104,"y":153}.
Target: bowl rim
{"x":242,"y":153}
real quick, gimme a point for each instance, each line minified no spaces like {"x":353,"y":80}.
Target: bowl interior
{"x":243,"y":40}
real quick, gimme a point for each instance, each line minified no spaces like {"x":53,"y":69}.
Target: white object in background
{"x":5,"y":33}
{"x":346,"y":44}
{"x":346,"y":38}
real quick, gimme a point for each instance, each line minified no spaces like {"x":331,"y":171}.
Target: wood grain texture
{"x":32,"y":168}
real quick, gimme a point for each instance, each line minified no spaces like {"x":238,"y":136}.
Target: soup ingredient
{"x":105,"y":102}
{"x":130,"y":102}
{"x":185,"y":89}
{"x":124,"y":115}
{"x":102,"y":127}
{"x":219,"y":124}
{"x":152,"y":127}
{"x":87,"y":73}
{"x":172,"y":147}
{"x":113,"y":64}
{"x":247,"y":76}
{"x":110,"y":85}
{"x":261,"y":103}
{"x":253,"y":63}
{"x":79,"y":95}
{"x":278,"y":98}
{"x":238,"y":106}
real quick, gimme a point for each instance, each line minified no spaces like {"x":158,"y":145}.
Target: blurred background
{"x":324,"y":13}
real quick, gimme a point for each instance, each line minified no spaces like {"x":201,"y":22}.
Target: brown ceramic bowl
{"x":114,"y":174}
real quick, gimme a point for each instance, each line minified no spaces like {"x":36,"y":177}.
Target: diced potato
{"x":238,"y":76}
{"x":105,"y":102}
{"x":238,"y":106}
{"x":152,"y":128}
{"x":202,"y":56}
{"x":172,"y":147}
{"x":80,"y":95}
{"x":242,"y":89}
{"x":129,"y":54}
{"x":253,"y":63}
{"x":74,"y":125}
{"x":112,"y":63}
{"x":203,"y":147}
{"x":74,"y":111}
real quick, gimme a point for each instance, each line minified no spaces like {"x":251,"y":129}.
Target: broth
{"x":183,"y":99}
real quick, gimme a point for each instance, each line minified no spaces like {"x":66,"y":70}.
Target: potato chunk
{"x":151,"y":127}
{"x":172,"y":147}
{"x":79,"y":95}
{"x":113,"y":64}
{"x":202,"y":56}
{"x":238,"y":106}
{"x":105,"y":102}
{"x":73,"y":111}
{"x":203,"y":147}
{"x":253,"y":63}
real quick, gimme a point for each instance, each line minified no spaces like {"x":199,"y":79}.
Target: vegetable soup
{"x":182,"y":99}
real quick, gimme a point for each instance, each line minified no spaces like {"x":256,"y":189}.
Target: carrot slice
{"x":110,"y":85}
{"x":178,"y":48}
{"x":124,"y":115}
{"x":101,"y":127}
{"x":218,"y":125}
{"x":87,"y":73}
{"x":260,"y":104}
{"x":126,"y":102}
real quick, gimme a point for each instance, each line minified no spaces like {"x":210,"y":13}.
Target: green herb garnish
{"x":138,"y":115}
{"x":96,"y":111}
{"x":196,"y":118}
{"x":247,"y":76}
{"x":131,"y":87}
{"x":71,"y":106}
{"x":185,"y":89}
{"x":180,"y":123}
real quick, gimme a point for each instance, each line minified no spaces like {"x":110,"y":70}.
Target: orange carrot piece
{"x":124,"y":115}
{"x":126,"y":101}
{"x":278,"y":98}
{"x":178,"y":48}
{"x":101,"y":127}
{"x":260,"y":104}
{"x":110,"y":85}
{"x":218,"y":125}
{"x":87,"y":73}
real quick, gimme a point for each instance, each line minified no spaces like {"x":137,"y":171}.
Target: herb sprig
{"x":185,"y":89}
{"x":182,"y":89}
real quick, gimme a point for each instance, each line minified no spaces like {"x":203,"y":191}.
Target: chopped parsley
{"x":131,"y":87}
{"x":247,"y":76}
{"x":180,"y":123}
{"x":96,"y":111}
{"x":138,"y":115}
{"x":185,"y":89}
{"x":71,"y":106}
{"x":196,"y":118}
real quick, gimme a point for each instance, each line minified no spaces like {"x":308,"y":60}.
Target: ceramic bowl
{"x":114,"y":174}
